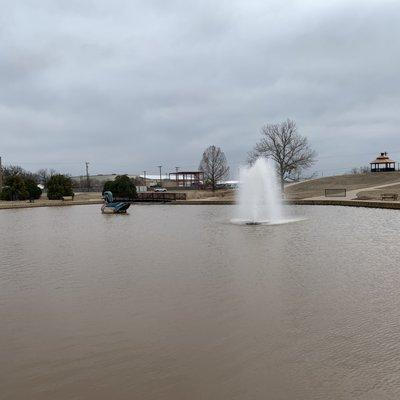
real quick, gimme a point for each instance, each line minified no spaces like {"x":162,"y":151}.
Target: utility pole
{"x":87,"y":176}
{"x":176,"y":176}
{"x":1,"y":175}
{"x":160,"y":166}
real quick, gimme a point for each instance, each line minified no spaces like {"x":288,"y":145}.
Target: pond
{"x":175,"y":302}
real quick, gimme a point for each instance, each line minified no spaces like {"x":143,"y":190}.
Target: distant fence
{"x":161,"y":197}
{"x":96,"y":188}
{"x":335,"y":192}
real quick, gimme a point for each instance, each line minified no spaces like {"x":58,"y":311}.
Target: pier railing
{"x":154,"y":197}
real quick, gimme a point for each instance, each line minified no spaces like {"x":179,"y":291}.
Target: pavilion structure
{"x":188,"y":179}
{"x":383,"y":163}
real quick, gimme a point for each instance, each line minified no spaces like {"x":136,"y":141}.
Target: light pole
{"x":144,"y":176}
{"x":160,"y":166}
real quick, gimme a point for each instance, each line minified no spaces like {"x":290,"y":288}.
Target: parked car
{"x":160,"y":189}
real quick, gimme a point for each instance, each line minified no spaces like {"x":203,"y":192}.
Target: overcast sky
{"x":129,"y":85}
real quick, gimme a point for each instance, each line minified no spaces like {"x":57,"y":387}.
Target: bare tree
{"x":43,"y":175}
{"x":362,"y":170}
{"x":283,"y":144}
{"x":14,"y":170}
{"x":214,"y":165}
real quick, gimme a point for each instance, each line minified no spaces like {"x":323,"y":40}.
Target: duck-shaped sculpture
{"x":113,"y":207}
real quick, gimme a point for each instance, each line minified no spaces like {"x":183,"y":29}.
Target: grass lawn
{"x":316,"y":187}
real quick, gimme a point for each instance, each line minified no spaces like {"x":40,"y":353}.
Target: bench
{"x":335,"y":192}
{"x":68,"y":198}
{"x":389,"y":196}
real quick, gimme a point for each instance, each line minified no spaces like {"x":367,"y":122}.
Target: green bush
{"x":59,"y":186}
{"x":108,"y":186}
{"x":14,"y":189}
{"x":122,"y":186}
{"x":19,"y":184}
{"x":34,"y":192}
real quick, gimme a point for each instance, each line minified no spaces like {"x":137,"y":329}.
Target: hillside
{"x":376,"y":194}
{"x":316,"y":187}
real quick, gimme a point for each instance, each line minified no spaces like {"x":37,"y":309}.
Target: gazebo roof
{"x":383,"y":158}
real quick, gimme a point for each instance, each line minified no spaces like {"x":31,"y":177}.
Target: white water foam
{"x":260,"y":197}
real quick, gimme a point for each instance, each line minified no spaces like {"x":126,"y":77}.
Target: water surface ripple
{"x":173,"y":302}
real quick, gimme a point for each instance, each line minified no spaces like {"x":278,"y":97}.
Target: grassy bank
{"x":316,"y":187}
{"x":79,"y":199}
{"x":7,"y":205}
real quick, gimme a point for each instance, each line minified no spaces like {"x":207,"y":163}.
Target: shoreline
{"x":392,"y":205}
{"x":47,"y":203}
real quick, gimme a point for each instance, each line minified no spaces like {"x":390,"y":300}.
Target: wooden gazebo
{"x":383,"y":163}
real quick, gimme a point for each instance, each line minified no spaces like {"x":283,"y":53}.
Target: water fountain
{"x":260,"y":198}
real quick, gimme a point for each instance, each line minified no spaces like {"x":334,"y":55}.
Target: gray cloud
{"x":128,"y":85}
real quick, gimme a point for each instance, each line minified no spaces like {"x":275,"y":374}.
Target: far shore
{"x":395,"y":205}
{"x":362,"y":190}
{"x":8,"y":205}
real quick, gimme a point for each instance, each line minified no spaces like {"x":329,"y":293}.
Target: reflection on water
{"x":172,"y":302}
{"x":238,"y":221}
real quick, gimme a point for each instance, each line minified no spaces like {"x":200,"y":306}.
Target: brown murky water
{"x":173,"y":302}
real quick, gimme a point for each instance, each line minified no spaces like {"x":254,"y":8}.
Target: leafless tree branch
{"x":214,"y":165}
{"x":283,"y":144}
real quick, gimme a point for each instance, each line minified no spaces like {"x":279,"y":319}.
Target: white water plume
{"x":260,"y":198}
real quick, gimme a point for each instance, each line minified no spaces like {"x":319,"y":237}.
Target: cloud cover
{"x":129,"y":85}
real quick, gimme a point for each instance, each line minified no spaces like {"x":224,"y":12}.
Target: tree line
{"x":280,"y":142}
{"x":19,"y":184}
